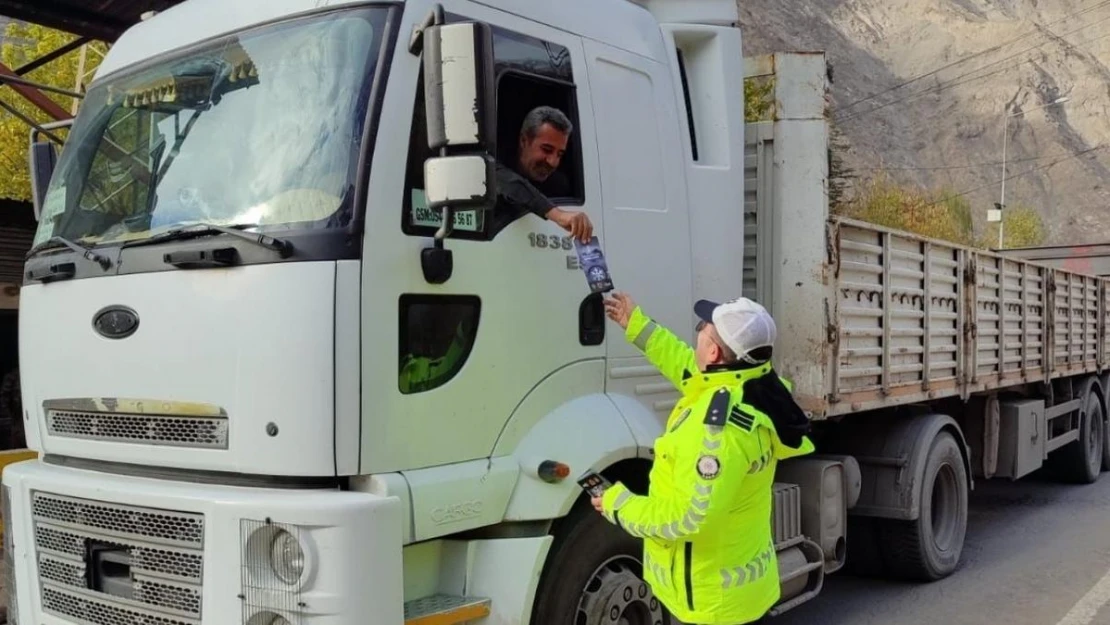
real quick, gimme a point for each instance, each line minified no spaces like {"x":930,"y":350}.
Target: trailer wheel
{"x":929,"y":548}
{"x":1080,"y":462}
{"x":593,"y":576}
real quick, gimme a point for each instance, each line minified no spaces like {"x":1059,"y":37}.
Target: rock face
{"x":945,"y":128}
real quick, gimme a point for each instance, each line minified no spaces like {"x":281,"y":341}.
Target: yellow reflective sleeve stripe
{"x":641,"y":340}
{"x":681,"y":515}
{"x":665,"y":351}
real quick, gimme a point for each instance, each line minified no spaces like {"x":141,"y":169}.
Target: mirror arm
{"x":434,"y":17}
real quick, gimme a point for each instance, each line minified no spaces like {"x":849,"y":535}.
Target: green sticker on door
{"x":421,"y":215}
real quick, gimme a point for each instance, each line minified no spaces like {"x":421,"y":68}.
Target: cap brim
{"x":704,"y":310}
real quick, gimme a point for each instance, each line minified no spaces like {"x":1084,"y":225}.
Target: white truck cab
{"x":215,"y":337}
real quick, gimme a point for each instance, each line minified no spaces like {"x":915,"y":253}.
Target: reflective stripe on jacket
{"x":709,"y":554}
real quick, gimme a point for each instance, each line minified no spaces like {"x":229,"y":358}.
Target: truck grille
{"x":160,"y":550}
{"x":172,"y":431}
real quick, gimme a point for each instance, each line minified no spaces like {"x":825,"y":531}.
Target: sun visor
{"x":193,"y":85}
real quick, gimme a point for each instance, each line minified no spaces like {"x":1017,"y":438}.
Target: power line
{"x":1020,"y":174}
{"x":974,"y":55}
{"x":954,"y":82}
{"x":961,"y":167}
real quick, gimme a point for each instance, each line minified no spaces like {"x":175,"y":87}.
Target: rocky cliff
{"x":921,"y":87}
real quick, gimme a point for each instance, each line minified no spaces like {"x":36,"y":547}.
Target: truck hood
{"x":227,"y":369}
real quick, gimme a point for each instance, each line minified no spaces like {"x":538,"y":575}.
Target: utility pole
{"x":997,"y":215}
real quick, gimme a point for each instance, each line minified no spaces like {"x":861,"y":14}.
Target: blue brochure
{"x":592,"y":261}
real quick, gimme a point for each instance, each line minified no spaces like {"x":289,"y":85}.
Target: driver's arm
{"x":522,"y":195}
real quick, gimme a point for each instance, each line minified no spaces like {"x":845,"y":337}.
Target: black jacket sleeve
{"x":520,"y":194}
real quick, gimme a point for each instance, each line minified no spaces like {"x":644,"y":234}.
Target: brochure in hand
{"x":594,"y":483}
{"x":592,"y":261}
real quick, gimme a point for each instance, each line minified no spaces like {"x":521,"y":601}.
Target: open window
{"x":530,"y":72}
{"x":436,"y":336}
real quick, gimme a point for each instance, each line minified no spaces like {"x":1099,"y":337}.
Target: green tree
{"x":934,"y":214}
{"x":1022,"y":227}
{"x":24,"y":43}
{"x":759,"y":99}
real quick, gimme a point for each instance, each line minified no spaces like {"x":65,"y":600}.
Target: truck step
{"x":443,"y":609}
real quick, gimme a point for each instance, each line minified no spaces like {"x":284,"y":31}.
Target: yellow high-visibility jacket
{"x":709,"y":554}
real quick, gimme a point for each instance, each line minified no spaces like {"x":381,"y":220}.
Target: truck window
{"x":530,"y":72}
{"x":437,"y":334}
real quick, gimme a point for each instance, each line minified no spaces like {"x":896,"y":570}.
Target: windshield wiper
{"x":87,"y":252}
{"x":281,"y":246}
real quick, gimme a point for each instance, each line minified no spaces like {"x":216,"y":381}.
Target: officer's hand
{"x":619,"y":308}
{"x":575,"y":222}
{"x":596,"y":501}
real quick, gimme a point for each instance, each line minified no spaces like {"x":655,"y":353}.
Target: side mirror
{"x":464,"y":182}
{"x":458,"y":87}
{"x":43,"y":158}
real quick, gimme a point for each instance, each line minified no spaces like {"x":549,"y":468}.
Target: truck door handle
{"x":591,"y":320}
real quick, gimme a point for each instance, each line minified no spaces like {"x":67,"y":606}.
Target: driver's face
{"x":541,"y":155}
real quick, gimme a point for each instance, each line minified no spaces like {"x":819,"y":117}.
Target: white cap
{"x":743,"y":324}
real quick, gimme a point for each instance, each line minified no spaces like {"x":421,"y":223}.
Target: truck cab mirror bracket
{"x":459,"y":103}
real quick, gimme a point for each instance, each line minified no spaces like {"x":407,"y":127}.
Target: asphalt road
{"x":1035,"y":554}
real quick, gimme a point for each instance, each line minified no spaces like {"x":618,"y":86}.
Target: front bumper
{"x":104,"y":549}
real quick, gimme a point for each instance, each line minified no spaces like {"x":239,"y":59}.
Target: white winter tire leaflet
{"x":929,"y":547}
{"x":593,"y":576}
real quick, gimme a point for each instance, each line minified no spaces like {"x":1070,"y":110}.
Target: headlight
{"x":268,"y":618}
{"x":287,"y":561}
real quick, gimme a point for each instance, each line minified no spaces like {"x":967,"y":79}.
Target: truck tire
{"x":593,"y":576}
{"x":1080,"y":462}
{"x":929,"y":548}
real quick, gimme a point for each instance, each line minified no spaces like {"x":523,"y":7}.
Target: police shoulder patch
{"x":717,"y":413}
{"x":709,"y":467}
{"x":741,"y":418}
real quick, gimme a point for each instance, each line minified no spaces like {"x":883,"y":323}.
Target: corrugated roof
{"x":99,"y":19}
{"x":17,"y":229}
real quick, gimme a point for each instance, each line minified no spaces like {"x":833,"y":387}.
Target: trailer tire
{"x":929,"y":547}
{"x":865,"y":555}
{"x":1080,"y":462}
{"x":594,"y":570}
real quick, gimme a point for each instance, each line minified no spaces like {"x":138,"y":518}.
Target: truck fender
{"x":588,"y":432}
{"x":892,"y":452}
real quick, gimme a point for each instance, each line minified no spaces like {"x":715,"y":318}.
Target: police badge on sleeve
{"x":709,"y":467}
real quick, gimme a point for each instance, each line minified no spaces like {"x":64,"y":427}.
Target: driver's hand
{"x":576,"y":223}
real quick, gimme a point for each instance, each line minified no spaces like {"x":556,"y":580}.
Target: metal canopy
{"x":97,"y":19}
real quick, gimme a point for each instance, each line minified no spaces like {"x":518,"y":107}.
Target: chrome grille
{"x":57,"y":570}
{"x":168,"y":595}
{"x":174,"y":431}
{"x":162,"y":550}
{"x":174,"y":564}
{"x":163,"y":525}
{"x":98,"y":612}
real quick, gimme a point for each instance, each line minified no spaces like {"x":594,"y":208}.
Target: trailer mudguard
{"x":891,"y":451}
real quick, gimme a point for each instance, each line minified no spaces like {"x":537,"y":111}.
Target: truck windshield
{"x":257,"y":130}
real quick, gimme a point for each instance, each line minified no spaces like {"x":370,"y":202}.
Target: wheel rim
{"x":616,"y":595}
{"x":945,"y":507}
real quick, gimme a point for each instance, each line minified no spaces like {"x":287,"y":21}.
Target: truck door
{"x":511,"y":315}
{"x":644,"y":197}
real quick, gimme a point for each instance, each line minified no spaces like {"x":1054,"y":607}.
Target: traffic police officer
{"x":709,"y":555}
